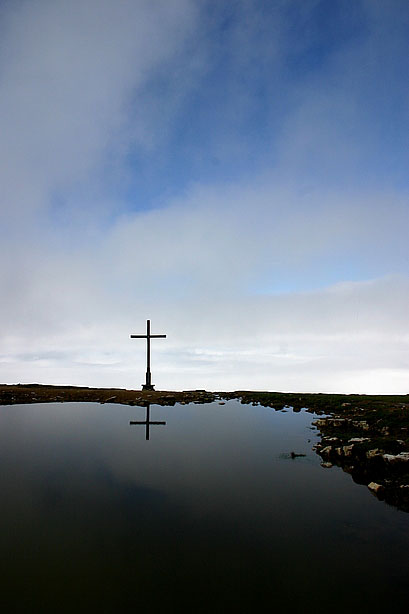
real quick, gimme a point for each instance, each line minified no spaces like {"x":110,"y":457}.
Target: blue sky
{"x":236,"y":171}
{"x":257,"y":67}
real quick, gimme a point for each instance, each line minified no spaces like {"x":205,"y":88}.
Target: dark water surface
{"x":210,"y":515}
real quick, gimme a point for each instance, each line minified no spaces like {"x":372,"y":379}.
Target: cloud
{"x":336,"y":339}
{"x":190,"y":268}
{"x":68,"y":75}
{"x":225,"y":171}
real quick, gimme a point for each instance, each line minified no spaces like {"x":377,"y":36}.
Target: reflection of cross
{"x":148,"y":385}
{"x":146,"y":422}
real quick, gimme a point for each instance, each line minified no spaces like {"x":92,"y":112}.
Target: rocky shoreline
{"x":373,"y":449}
{"x":366,"y":435}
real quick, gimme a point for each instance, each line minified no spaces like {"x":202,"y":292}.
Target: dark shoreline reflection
{"x":211,"y":516}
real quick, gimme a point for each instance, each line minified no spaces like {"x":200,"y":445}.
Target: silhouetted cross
{"x":146,"y":422}
{"x":148,"y":385}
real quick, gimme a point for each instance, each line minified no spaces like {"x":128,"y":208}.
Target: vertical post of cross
{"x":148,"y":384}
{"x":148,"y":354}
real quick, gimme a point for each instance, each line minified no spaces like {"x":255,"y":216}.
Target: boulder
{"x":326,"y":451}
{"x":373,"y":453}
{"x":376,"y":488}
{"x":319,"y":423}
{"x":338,"y":421}
{"x":361,"y":424}
{"x":347,"y":450}
{"x":402,"y":457}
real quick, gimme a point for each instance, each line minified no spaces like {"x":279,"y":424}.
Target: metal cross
{"x":148,"y":385}
{"x":146,"y":422}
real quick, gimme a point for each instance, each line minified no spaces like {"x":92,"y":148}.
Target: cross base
{"x":148,"y":387}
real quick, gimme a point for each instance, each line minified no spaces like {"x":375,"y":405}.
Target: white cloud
{"x":68,"y":74}
{"x":208,"y":267}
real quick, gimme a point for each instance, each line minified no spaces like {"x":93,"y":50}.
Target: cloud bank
{"x":226,"y":172}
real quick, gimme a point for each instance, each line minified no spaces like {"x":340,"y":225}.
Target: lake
{"x":211,"y":514}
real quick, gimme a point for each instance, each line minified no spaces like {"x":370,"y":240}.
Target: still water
{"x":210,"y":515}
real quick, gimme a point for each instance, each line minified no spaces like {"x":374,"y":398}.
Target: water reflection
{"x":213,"y":515}
{"x":147,"y":422}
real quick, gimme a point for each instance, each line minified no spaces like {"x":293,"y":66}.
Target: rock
{"x":402,"y":457}
{"x":338,"y":421}
{"x":323,"y":422}
{"x":347,"y":450}
{"x":376,"y":488}
{"x":358,"y":439}
{"x":373,"y":453}
{"x":326,"y":451}
{"x":222,"y":403}
{"x":361,"y":424}
{"x":326,"y":465}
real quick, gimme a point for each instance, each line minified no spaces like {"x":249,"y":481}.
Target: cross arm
{"x":139,"y":422}
{"x":146,"y":336}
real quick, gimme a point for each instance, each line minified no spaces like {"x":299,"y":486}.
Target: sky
{"x":235,"y":171}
